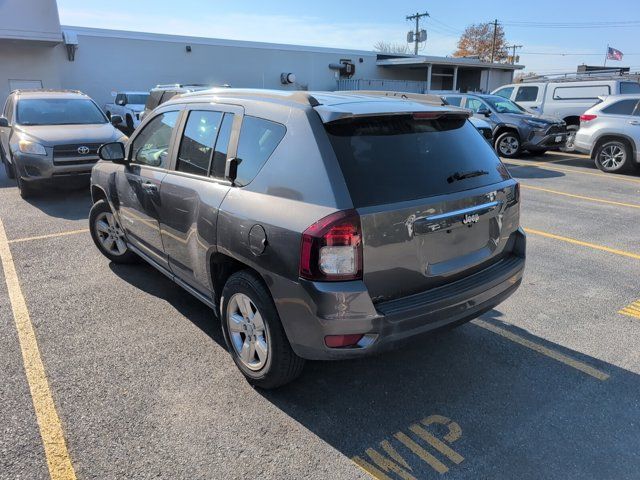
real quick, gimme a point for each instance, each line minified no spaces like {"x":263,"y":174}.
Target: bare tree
{"x":520,"y":76}
{"x":477,"y":41}
{"x":389,"y":47}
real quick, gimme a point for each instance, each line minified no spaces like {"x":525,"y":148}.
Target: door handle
{"x":634,"y":122}
{"x":150,"y":187}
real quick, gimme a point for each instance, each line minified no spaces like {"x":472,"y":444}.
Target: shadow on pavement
{"x":60,"y":202}
{"x":520,"y":414}
{"x":532,"y":171}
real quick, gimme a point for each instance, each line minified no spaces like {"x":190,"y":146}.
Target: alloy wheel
{"x":110,"y":234}
{"x":612,"y":156}
{"x":247,"y":332}
{"x":509,"y":145}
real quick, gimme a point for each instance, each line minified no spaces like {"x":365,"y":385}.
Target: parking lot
{"x":142,"y":387}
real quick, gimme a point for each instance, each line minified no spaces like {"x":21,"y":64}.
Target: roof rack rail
{"x":607,"y":74}
{"x":181,"y":85}
{"x":51,"y":90}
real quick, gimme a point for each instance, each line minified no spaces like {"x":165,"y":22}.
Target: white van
{"x":566,"y":98}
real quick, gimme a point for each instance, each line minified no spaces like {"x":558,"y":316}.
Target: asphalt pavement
{"x":544,"y":386}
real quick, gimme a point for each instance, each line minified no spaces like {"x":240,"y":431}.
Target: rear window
{"x":629,"y":87}
{"x":153,"y":100}
{"x":388,"y":160}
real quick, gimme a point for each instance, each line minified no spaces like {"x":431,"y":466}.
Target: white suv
{"x":565,"y":99}
{"x":610,"y":133}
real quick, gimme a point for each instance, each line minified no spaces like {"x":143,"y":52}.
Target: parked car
{"x":129,"y":106}
{"x":610,"y":133}
{"x":283,"y":212}
{"x":514,"y":129}
{"x":567,"y":97}
{"x":163,"y":93}
{"x":50,"y":136}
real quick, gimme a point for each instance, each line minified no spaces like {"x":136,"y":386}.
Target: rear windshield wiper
{"x":465,"y":175}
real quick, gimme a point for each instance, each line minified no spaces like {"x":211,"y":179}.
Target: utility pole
{"x":416,"y":34}
{"x":495,"y":32}
{"x":513,"y":58}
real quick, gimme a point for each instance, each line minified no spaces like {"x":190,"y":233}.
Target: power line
{"x":417,"y":36}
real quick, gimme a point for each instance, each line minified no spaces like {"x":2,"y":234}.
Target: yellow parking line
{"x":542,"y":165}
{"x":51,"y":235}
{"x":580,"y":197}
{"x":55,"y":447}
{"x":602,"y":248}
{"x":631,"y":310}
{"x":578,"y":365}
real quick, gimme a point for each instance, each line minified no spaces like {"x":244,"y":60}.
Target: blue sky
{"x":359,"y":24}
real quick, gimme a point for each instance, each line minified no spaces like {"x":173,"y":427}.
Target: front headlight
{"x":32,"y":148}
{"x":535,"y":124}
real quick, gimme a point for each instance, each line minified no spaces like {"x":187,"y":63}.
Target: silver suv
{"x":610,"y":133}
{"x":316,"y":225}
{"x":49,"y":136}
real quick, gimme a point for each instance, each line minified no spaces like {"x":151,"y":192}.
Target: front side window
{"x":137,"y":98}
{"x":505,"y":92}
{"x":476,"y":105}
{"x":502,"y":105}
{"x":258,"y":139}
{"x":622,"y":107}
{"x":198,"y":140}
{"x":58,"y":111}
{"x":151,"y":146}
{"x":527,"y":94}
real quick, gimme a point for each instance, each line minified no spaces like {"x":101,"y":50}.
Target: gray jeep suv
{"x":49,"y":136}
{"x":316,"y":225}
{"x":514,"y":128}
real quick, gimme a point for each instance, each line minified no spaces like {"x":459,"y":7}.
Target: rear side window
{"x":629,"y":87}
{"x":455,"y":101}
{"x":504,"y":92}
{"x":395,"y":159}
{"x":527,"y":94}
{"x":623,"y":107}
{"x":258,"y":139}
{"x":198,"y":139}
{"x":581,"y":92}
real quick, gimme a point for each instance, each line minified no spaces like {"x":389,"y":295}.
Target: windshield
{"x":137,"y":98}
{"x":394,"y":159}
{"x":58,"y":111}
{"x":502,"y":105}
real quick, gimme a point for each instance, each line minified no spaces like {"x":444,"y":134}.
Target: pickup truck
{"x":129,"y":106}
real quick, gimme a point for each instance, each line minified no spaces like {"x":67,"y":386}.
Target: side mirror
{"x":116,"y":119}
{"x":112,"y":152}
{"x":231,"y":169}
{"x":4,"y":122}
{"x":122,"y":103}
{"x":484,"y":111}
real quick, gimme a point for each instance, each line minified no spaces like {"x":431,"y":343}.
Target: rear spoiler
{"x":429,"y":98}
{"x":392,"y":106}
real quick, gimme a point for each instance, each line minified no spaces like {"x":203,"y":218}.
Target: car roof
{"x":134,"y":92}
{"x":331,"y":106}
{"x":43,"y":93}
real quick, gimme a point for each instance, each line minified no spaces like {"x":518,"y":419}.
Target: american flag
{"x":613,"y":54}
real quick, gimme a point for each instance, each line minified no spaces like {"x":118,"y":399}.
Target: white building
{"x":36,"y":51}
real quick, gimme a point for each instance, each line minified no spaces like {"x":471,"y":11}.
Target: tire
{"x":130,"y":123}
{"x":569,"y":144}
{"x":243,"y":332}
{"x":8,"y":167}
{"x":508,"y":145}
{"x":103,"y":230}
{"x":26,"y":190}
{"x":614,"y":156}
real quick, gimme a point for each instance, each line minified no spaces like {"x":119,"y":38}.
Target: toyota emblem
{"x":83,"y":150}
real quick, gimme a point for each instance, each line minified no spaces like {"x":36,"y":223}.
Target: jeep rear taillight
{"x":331,"y":248}
{"x":587,"y":117}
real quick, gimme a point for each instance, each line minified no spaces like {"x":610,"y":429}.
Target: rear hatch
{"x":436,"y":204}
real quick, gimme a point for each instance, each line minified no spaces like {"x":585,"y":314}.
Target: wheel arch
{"x":615,"y":136}
{"x":98,"y":193}
{"x":572,"y":120}
{"x":221,"y":267}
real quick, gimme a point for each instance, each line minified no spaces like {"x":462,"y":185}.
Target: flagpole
{"x":606,"y":55}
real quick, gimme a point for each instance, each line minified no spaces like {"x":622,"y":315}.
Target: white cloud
{"x":305,"y":30}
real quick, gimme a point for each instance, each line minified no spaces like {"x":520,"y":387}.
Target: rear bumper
{"x":319,"y":309}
